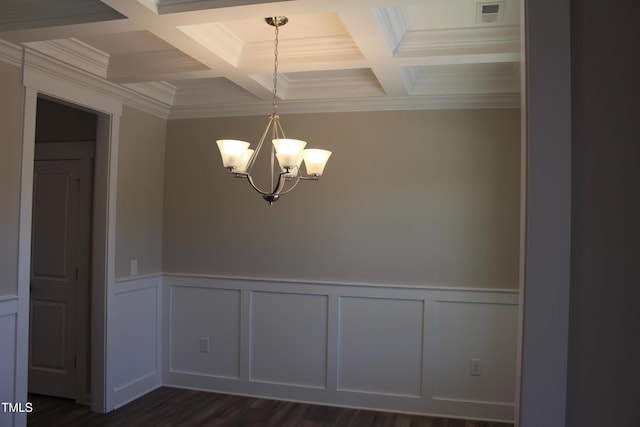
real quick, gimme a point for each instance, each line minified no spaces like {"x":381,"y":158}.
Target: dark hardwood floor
{"x":171,"y":407}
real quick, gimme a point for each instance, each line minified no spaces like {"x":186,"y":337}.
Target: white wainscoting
{"x":391,"y":348}
{"x":8,"y":340}
{"x":134,"y":339}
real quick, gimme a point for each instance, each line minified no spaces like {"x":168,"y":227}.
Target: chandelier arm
{"x":254,"y":156}
{"x":275,"y":120}
{"x":280,"y":185}
{"x":255,"y":187}
{"x":281,"y":182}
{"x":273,"y":160}
{"x":295,"y":181}
{"x":277,"y":189}
{"x":279,"y":128}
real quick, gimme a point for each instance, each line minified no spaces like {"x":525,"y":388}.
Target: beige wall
{"x":140,"y":192}
{"x":419,"y":197}
{"x":416,"y":198}
{"x":10,"y":159}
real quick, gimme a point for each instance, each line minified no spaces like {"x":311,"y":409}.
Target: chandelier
{"x":289,"y":154}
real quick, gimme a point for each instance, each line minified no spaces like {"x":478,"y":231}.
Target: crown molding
{"x":160,"y":98}
{"x":405,"y":43}
{"x":503,"y":39}
{"x":485,"y":78}
{"x":158,"y":90}
{"x":392,"y":25}
{"x":75,"y":53}
{"x":431,"y":102}
{"x":40,"y":63}
{"x":155,"y":66}
{"x":303,"y":51}
{"x":154,"y":98}
{"x":216,"y":38}
{"x":10,"y":53}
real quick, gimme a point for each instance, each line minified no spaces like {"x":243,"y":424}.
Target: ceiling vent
{"x":490,"y":13}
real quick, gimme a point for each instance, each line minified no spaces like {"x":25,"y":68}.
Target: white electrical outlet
{"x":475,"y":367}
{"x":204,"y":345}
{"x":134,"y":267}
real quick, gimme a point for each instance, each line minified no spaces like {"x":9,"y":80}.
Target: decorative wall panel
{"x":207,"y":316}
{"x":475,"y":337}
{"x":289,"y":338}
{"x":133,"y":334}
{"x":381,"y":346}
{"x":8,"y":315}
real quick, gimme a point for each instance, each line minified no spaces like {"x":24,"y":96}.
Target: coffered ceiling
{"x":215,"y":57}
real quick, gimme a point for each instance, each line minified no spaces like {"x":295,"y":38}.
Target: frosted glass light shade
{"x":293,"y":171}
{"x":288,"y":151}
{"x":232,"y":151}
{"x":315,"y":160}
{"x":246,"y":156}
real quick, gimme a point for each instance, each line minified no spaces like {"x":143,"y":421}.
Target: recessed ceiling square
{"x":249,"y":43}
{"x":486,"y":78}
{"x":129,"y":42}
{"x":345,"y":83}
{"x":212,"y":91}
{"x":140,"y":56}
{"x":413,"y":30}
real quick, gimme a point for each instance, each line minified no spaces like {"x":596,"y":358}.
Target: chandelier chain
{"x":275,"y":70}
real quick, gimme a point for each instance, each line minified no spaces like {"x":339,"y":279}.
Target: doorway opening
{"x":60,"y":278}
